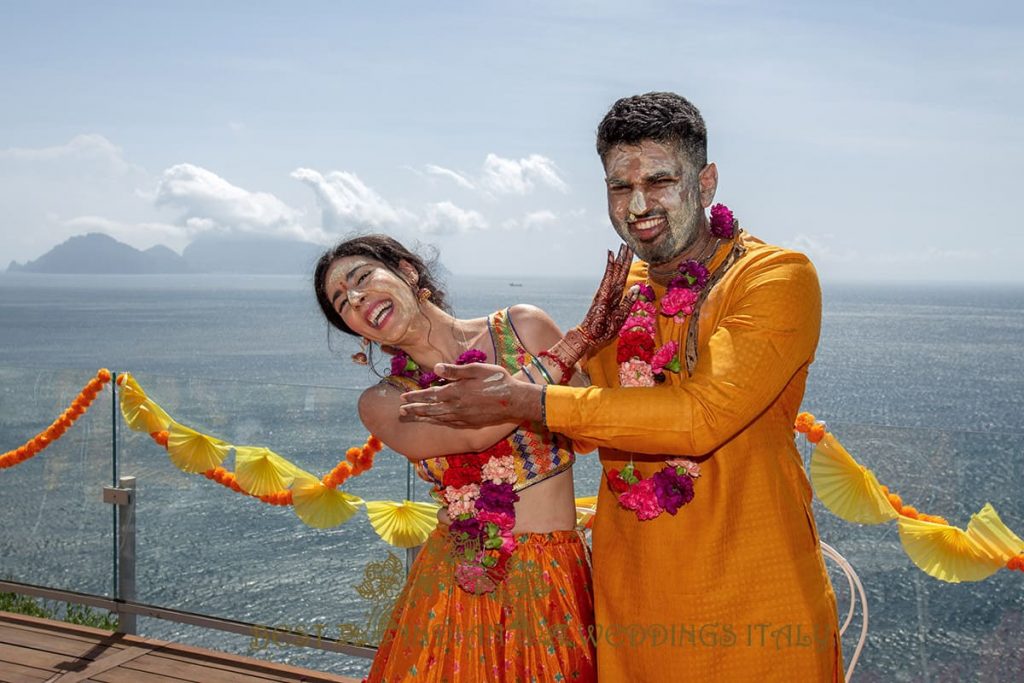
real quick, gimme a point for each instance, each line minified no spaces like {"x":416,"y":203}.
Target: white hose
{"x":854,"y":580}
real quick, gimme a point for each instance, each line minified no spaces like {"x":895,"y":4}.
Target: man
{"x":730,"y":585}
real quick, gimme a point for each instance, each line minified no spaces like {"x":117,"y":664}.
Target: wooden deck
{"x":35,"y":650}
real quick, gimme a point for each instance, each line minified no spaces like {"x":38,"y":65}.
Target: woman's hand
{"x":609,"y":309}
{"x":604,"y":319}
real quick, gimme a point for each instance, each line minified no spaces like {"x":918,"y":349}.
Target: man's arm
{"x":769,"y":331}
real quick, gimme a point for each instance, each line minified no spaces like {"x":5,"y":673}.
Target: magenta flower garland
{"x":643,"y":364}
{"x":478,"y":493}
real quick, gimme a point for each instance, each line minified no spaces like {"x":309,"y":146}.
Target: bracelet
{"x":567,"y":369}
{"x":544,"y":405}
{"x":528,"y":375}
{"x":543,"y":370}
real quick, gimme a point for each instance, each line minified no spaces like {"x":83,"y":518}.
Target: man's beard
{"x":680,"y":235}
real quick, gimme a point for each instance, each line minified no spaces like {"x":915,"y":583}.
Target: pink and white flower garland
{"x":641,"y":364}
{"x":480,"y":499}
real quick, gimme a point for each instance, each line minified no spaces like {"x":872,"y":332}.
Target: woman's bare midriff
{"x":547,"y":506}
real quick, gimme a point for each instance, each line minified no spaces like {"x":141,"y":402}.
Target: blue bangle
{"x":543,"y":370}
{"x":544,"y":405}
{"x":528,"y":375}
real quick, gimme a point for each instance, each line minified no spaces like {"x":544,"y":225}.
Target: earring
{"x":424,"y":294}
{"x":359,"y":357}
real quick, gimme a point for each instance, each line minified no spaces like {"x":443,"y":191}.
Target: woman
{"x":501,"y":589}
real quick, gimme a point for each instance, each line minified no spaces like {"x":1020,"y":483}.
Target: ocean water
{"x":923,"y":384}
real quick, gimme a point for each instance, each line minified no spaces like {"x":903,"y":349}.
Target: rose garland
{"x":643,"y":364}
{"x":640,"y":365}
{"x":43,"y":439}
{"x":477,"y":491}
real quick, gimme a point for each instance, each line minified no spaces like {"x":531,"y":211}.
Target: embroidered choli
{"x":539,"y":454}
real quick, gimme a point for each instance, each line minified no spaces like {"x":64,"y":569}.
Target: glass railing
{"x":57,"y":531}
{"x":205,"y":550}
{"x":920,"y":628}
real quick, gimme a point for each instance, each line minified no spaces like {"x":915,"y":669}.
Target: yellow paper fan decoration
{"x":140,"y":412}
{"x":261,"y":471}
{"x":846,"y":488}
{"x":992,"y":536}
{"x":319,"y":506}
{"x":946,"y":552}
{"x":405,"y":525}
{"x":191,"y":451}
{"x":586,"y":508}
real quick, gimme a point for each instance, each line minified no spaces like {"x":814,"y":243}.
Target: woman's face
{"x":374,"y":301}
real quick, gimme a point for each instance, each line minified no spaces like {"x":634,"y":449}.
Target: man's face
{"x":653,"y":199}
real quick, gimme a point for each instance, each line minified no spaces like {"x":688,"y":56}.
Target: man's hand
{"x":477,"y":395}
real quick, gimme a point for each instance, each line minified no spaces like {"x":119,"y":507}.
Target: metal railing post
{"x":123,"y":496}
{"x":126,"y":555}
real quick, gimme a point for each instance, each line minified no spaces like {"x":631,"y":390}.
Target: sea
{"x":922,"y":383}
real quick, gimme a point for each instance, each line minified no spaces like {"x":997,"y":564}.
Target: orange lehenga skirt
{"x":536,"y":626}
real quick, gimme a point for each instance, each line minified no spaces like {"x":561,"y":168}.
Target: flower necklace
{"x":477,"y":491}
{"x":641,"y":364}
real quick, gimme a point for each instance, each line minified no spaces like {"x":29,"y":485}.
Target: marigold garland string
{"x":262,"y":474}
{"x":43,"y":439}
{"x":852,"y":492}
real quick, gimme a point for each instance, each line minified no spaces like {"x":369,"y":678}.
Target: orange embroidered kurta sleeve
{"x":732,"y":587}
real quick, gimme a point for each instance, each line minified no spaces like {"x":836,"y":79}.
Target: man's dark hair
{"x":658,"y":116}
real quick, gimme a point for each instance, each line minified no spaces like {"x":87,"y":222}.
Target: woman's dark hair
{"x":381,"y":248}
{"x":663,"y":117}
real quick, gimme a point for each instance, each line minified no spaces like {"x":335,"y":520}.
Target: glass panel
{"x":921,"y":628}
{"x":204,"y":548}
{"x":57,"y":531}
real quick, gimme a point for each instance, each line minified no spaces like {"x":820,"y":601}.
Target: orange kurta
{"x":733,"y":587}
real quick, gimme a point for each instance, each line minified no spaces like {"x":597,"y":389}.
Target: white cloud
{"x":820,"y":248}
{"x":88,"y":148}
{"x":444,"y":218}
{"x":459,"y":179}
{"x":347,"y":203}
{"x":534,"y":220}
{"x":508,"y":176}
{"x":209,"y":202}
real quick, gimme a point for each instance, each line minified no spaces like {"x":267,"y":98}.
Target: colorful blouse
{"x":539,"y":454}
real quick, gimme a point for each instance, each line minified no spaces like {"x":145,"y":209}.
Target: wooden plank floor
{"x":39,"y":650}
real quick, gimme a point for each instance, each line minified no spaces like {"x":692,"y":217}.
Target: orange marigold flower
{"x":103,"y":375}
{"x":938,"y":519}
{"x":161,"y":437}
{"x":911,"y":511}
{"x":374,"y":443}
{"x":895,"y":501}
{"x":1016,"y":563}
{"x":816,"y":433}
{"x":803,"y":423}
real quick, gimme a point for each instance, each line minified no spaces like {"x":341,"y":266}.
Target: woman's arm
{"x":378,"y":405}
{"x":378,"y":409}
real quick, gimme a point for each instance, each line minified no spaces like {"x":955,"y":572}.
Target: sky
{"x":885,"y":139}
